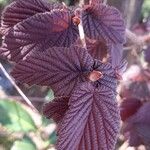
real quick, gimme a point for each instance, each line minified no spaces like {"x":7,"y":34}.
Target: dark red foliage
{"x":129,"y":107}
{"x":147,"y":54}
{"x":98,"y":49}
{"x":59,"y":68}
{"x":137,"y":127}
{"x":92,"y":119}
{"x":136,"y":83}
{"x":42,"y":39}
{"x":103,"y":22}
{"x":37,"y":33}
{"x":20,"y":10}
{"x":56,"y":109}
{"x":135,"y":106}
{"x":133,"y":137}
{"x":137,"y":89}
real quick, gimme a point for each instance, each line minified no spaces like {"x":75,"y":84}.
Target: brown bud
{"x":118,"y":76}
{"x":95,"y":75}
{"x":76,"y":20}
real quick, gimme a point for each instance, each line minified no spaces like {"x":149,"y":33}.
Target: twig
{"x":82,"y":35}
{"x":33,"y":99}
{"x":80,"y":26}
{"x":17,"y":88}
{"x":135,"y":41}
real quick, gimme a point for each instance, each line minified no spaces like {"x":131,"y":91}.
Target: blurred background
{"x":22,"y":128}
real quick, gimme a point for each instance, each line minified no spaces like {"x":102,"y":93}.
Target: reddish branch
{"x":137,"y":42}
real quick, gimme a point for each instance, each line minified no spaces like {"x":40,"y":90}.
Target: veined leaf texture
{"x":56,"y":109}
{"x":103,"y":22}
{"x":92,"y":121}
{"x":37,"y":33}
{"x":20,"y":10}
{"x":59,"y":68}
{"x":42,"y":39}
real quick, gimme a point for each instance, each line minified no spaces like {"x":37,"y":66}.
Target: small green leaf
{"x":53,"y":138}
{"x":23,"y":145}
{"x":146,"y":8}
{"x":14,"y":117}
{"x":50,"y":95}
{"x":46,"y":121}
{"x":3,"y":2}
{"x":27,"y":139}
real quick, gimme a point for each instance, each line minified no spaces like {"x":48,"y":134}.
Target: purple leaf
{"x":136,"y":89}
{"x":105,"y":68}
{"x":109,"y":78}
{"x":138,"y":134}
{"x":116,"y":55}
{"x":56,"y":109}
{"x":109,"y":82}
{"x":121,"y":68}
{"x":38,"y":33}
{"x":147,"y":54}
{"x":97,"y":49}
{"x":129,"y":107}
{"x":92,"y":121}
{"x":142,"y":116}
{"x":59,"y":68}
{"x":103,"y":22}
{"x":119,"y":65}
{"x":133,"y":137}
{"x":143,"y":131}
{"x":19,"y":10}
{"x":140,"y":90}
{"x":107,"y":52}
{"x":139,"y":124}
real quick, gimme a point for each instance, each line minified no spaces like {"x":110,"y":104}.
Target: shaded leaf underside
{"x":97,"y":49}
{"x":56,"y":109}
{"x":129,"y":107}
